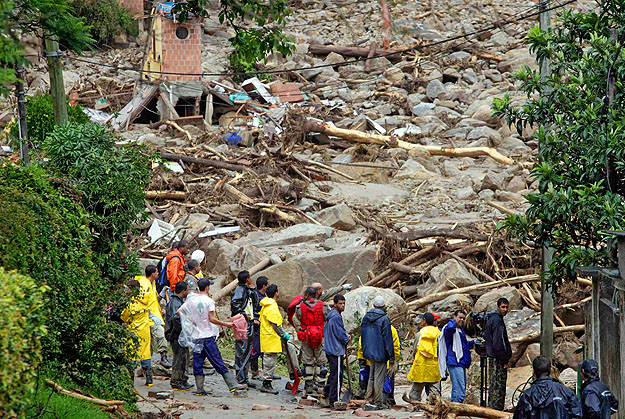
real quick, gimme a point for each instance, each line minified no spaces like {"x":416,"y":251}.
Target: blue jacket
{"x":376,"y":336}
{"x":452,"y":360}
{"x":598,"y":402}
{"x":335,"y":336}
{"x":548,"y":399}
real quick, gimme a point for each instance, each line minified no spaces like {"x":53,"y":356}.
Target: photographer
{"x":499,"y":353}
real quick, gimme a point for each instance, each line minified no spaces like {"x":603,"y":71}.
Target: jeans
{"x":210,"y":351}
{"x":458,"y":377}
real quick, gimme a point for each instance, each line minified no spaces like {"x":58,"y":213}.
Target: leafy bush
{"x":107,"y":18}
{"x":45,"y":235}
{"x":111,"y":180}
{"x":22,"y":314}
{"x":40,"y":118}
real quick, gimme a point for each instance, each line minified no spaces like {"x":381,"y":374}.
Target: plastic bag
{"x":240,"y":326}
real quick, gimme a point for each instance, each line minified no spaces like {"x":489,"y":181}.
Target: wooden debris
{"x":442,"y":408}
{"x":346,"y":51}
{"x":233,"y":284}
{"x":363,"y":137}
{"x":112,"y":406}
{"x":177,"y":195}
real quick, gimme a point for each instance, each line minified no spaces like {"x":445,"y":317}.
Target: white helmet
{"x":197,"y":255}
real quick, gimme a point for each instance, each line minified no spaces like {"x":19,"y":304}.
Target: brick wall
{"x":182,"y":55}
{"x":134,"y":7}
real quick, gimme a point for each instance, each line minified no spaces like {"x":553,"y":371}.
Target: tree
{"x":46,"y":18}
{"x":581,"y":133}
{"x":251,"y":44}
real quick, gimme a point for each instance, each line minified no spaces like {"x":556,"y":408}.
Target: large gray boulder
{"x":339,"y":216}
{"x":299,"y":233}
{"x":446,"y":276}
{"x":360,"y":300}
{"x":226,"y":259}
{"x":329,"y":268}
{"x":363,"y":194}
{"x":488,"y":301}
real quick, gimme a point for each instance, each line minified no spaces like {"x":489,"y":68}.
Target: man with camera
{"x":499,"y":353}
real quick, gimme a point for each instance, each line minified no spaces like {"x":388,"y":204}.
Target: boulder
{"x":521,"y":323}
{"x":566,"y":351}
{"x":445,"y":308}
{"x":197,"y":221}
{"x":516,"y":184}
{"x":362,"y":194}
{"x":244,"y":258}
{"x":436,"y":90}
{"x":488,"y":301}
{"x":414,"y":170}
{"x":299,"y":233}
{"x":359,"y":301}
{"x":532,"y":351}
{"x":493,"y":136}
{"x":517,"y":58}
{"x":448,"y":275}
{"x":493,"y":181}
{"x":329,"y":268}
{"x":339,"y":216}
{"x":219,"y":253}
{"x":422,"y":108}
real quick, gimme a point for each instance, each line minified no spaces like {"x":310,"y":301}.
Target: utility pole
{"x":546,"y":304}
{"x":57,"y":87}
{"x":21,"y":115}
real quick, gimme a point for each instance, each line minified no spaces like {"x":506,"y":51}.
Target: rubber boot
{"x":165,"y":361}
{"x":309,"y":387}
{"x":231,"y":382}
{"x":149,"y":377}
{"x":199,"y":386}
{"x":267,"y":388}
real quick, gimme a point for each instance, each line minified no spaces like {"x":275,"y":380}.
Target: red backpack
{"x":290,"y":312}
{"x":312,"y":324}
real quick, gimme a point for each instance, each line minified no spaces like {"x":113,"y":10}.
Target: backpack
{"x":290,"y":312}
{"x":313,"y":336}
{"x":162,"y":281}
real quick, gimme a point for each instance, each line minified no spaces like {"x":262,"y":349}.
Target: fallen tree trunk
{"x":441,"y":408}
{"x":232,"y":285}
{"x":428,"y":299}
{"x":177,"y":195}
{"x":535,"y":336}
{"x":423,"y":253}
{"x":363,"y":137}
{"x":206,"y":162}
{"x":346,"y":51}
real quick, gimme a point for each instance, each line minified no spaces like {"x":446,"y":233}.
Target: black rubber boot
{"x":267,"y":388}
{"x":149,"y":377}
{"x":199,"y":386}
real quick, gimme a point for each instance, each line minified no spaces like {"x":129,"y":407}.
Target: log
{"x":405,"y":269}
{"x":428,"y":299}
{"x":472,"y":267}
{"x":177,"y":195}
{"x":441,"y":408}
{"x":535,"y":336}
{"x":94,"y":400}
{"x":363,"y":137}
{"x":232,"y":285}
{"x":346,"y":51}
{"x":206,"y":162}
{"x":421,"y":254}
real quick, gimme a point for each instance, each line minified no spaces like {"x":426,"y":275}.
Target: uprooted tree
{"x":579,"y":124}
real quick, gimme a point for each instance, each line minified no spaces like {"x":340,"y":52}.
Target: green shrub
{"x":22,"y":314}
{"x":40,"y":118}
{"x":45,"y":234}
{"x":107,"y":19}
{"x":112,"y":181}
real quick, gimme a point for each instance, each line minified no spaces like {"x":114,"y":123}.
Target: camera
{"x":480,"y":318}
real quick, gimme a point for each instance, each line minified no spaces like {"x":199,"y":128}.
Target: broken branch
{"x":177,"y":195}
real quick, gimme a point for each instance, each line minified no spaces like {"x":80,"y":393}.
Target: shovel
{"x":349,"y":394}
{"x":293,"y":387}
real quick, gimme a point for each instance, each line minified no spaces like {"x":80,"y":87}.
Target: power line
{"x":496,"y":25}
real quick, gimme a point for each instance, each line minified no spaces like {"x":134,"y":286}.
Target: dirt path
{"x":223,"y":404}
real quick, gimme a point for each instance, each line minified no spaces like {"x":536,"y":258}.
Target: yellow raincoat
{"x":396,"y":346}
{"x":425,"y":366}
{"x":270,"y":342}
{"x":149,"y":297}
{"x":138,"y":319}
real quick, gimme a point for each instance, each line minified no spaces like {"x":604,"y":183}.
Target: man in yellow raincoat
{"x":149,"y":297}
{"x":425,"y":372}
{"x":273,"y":338}
{"x":138,"y":318}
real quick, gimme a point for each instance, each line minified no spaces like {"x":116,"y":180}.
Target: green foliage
{"x":40,"y":118}
{"x":45,"y":235}
{"x":52,"y":17}
{"x":578,"y":133}
{"x":251,"y":44}
{"x":107,"y":18}
{"x":111,"y":180}
{"x":23,"y":318}
{"x":49,"y":404}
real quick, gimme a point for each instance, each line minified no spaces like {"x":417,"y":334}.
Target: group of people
{"x":191,"y":324}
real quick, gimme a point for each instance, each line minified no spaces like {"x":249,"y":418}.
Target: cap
{"x":378,"y":301}
{"x":428,"y":317}
{"x":198,"y":255}
{"x":589,"y":365}
{"x":436,"y":316}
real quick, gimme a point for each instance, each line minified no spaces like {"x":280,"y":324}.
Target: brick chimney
{"x":181,"y":48}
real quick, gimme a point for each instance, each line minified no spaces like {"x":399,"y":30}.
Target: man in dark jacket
{"x":458,"y":357}
{"x":173,"y":328}
{"x":334,"y":343}
{"x":377,"y":347}
{"x":547,"y":398}
{"x":243,"y":301}
{"x":499,"y":353}
{"x":262,"y":282}
{"x":598,"y":402}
